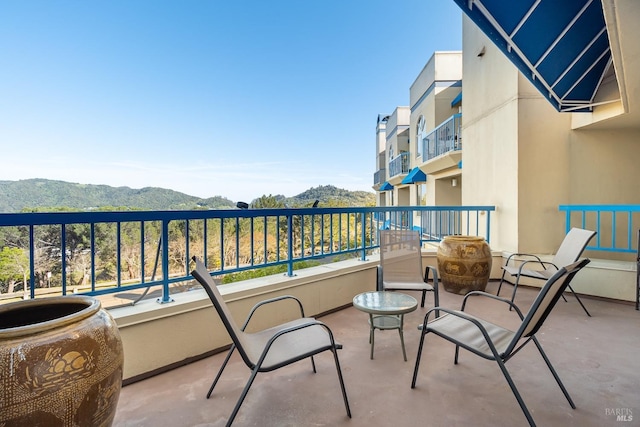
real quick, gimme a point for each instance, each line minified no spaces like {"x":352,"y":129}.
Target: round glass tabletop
{"x":382,"y":302}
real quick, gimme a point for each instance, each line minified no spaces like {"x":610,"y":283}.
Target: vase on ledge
{"x":464,"y":263}
{"x":61,"y":363}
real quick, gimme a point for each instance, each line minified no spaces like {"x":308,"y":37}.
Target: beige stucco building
{"x":520,"y":153}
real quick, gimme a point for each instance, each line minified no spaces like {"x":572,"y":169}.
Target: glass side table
{"x":386,"y":311}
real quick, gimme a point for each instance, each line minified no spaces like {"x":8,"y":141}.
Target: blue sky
{"x":235,"y":98}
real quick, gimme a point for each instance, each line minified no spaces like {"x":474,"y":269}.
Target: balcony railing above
{"x":379,"y":176}
{"x":399,"y":165}
{"x":446,"y":137}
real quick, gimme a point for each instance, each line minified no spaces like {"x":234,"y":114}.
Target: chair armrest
{"x":269,"y":301}
{"x":544,"y":264}
{"x":522,"y":255}
{"x":495,"y":297}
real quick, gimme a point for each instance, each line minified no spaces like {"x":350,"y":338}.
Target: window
{"x":421,"y":135}
{"x":421,"y":195}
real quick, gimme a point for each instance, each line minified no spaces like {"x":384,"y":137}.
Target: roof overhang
{"x":448,"y":160}
{"x":562,"y":47}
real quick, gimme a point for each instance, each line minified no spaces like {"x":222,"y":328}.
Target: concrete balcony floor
{"x":597,"y":359}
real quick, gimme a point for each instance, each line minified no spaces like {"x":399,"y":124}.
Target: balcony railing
{"x":379,"y":176}
{"x":100,"y":253}
{"x":399,"y":165}
{"x":446,"y":137}
{"x":616,"y":225}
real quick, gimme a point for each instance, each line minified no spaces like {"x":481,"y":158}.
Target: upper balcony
{"x":379,"y":176}
{"x":399,"y":165}
{"x":442,"y":147}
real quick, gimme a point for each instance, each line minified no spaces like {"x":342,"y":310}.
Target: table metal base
{"x":383,"y":322}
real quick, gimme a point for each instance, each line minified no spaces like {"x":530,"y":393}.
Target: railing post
{"x":63,"y":253}
{"x":290,"y":245}
{"x":165,"y":264}
{"x":363,"y":237}
{"x":32,"y":264}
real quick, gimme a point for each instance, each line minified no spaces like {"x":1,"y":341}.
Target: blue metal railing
{"x":616,"y":225}
{"x":88,"y":252}
{"x":379,"y":176}
{"x":444,"y":138}
{"x":399,"y":164}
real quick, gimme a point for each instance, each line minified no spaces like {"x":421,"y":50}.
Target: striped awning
{"x":562,"y":47}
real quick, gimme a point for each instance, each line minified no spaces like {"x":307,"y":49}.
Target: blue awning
{"x":416,"y":175}
{"x":386,"y":186}
{"x":562,"y":47}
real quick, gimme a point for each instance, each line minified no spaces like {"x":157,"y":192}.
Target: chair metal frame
{"x":494,"y":342}
{"x":571,"y":248}
{"x":412,"y":280}
{"x":271,"y":348}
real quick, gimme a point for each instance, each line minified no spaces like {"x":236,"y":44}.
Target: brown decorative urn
{"x":60,"y":363}
{"x":464,"y":263}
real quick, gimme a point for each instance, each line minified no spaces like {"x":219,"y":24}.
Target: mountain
{"x":44,"y":194}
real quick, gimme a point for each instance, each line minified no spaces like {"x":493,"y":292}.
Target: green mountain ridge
{"x":43,"y":194}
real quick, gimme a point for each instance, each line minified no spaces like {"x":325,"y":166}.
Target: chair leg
{"x":224,"y":364}
{"x":344,"y":390}
{"x":580,"y":301}
{"x":254,"y":372}
{"x":515,"y":392}
{"x":424,"y":296}
{"x":455,"y":358}
{"x":501,"y":280}
{"x":515,"y":288}
{"x":418,"y":356}
{"x":404,"y":353}
{"x":553,"y":371}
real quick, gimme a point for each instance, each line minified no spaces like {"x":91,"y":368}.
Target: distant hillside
{"x":48,"y":194}
{"x":333,"y":196}
{"x":42,"y":193}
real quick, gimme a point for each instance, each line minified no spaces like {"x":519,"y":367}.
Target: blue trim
{"x":457,"y":100}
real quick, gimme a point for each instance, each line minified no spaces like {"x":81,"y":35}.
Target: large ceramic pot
{"x":60,"y":363}
{"x":464,"y":263}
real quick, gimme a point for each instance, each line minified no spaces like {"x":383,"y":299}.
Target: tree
{"x":14,"y":266}
{"x":268,"y":202}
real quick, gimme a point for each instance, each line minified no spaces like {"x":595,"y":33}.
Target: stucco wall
{"x":490,"y":133}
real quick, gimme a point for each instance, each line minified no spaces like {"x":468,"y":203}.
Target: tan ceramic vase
{"x":464,"y":264}
{"x":60,"y":363}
